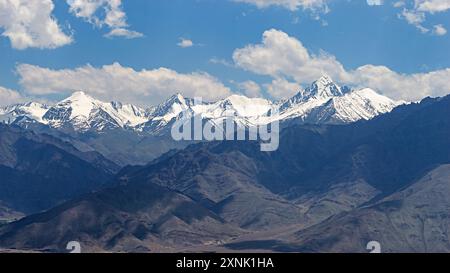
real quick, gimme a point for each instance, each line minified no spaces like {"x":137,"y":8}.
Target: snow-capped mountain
{"x":324,"y":102}
{"x":82,"y":112}
{"x":31,"y":110}
{"x":360,"y":104}
{"x":322,"y":89}
{"x":244,"y":111}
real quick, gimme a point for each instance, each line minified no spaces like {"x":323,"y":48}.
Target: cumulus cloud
{"x":250,"y":89}
{"x":280,"y":55}
{"x":104,"y":12}
{"x":30,"y":24}
{"x":116,"y":82}
{"x":184,"y":43}
{"x":88,"y":10}
{"x":288,"y":62}
{"x":281,"y":88}
{"x":8,"y":97}
{"x":409,"y":87}
{"x":432,"y":6}
{"x":293,"y":5}
{"x":124,"y":33}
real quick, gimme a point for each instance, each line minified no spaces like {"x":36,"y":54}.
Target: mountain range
{"x":144,"y":134}
{"x":330,"y":187}
{"x":40,"y":171}
{"x":324,"y":102}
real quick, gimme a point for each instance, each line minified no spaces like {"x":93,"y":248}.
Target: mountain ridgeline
{"x":325,"y":181}
{"x":40,"y":171}
{"x":128,"y":134}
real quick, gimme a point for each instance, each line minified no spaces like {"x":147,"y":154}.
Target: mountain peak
{"x":324,"y":80}
{"x":237,"y":99}
{"x":324,"y":87}
{"x":323,"y":97}
{"x":170,"y":108}
{"x":177,"y":97}
{"x":79,"y":96}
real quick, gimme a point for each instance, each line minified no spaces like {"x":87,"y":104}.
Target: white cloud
{"x":281,"y":88}
{"x":403,"y":86}
{"x":413,"y":11}
{"x":89,"y":9}
{"x":415,"y":18}
{"x":280,"y":55}
{"x":283,"y":57}
{"x":115,"y":82}
{"x":184,"y":43}
{"x":8,"y":97}
{"x":439,"y":30}
{"x":112,"y":13}
{"x":219,"y":61}
{"x":124,"y":33}
{"x":417,"y":13}
{"x":29,"y":23}
{"x":293,"y":5}
{"x":432,"y":6}
{"x":374,"y":2}
{"x":250,"y":89}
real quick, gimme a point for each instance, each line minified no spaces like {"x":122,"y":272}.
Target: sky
{"x":144,"y":51}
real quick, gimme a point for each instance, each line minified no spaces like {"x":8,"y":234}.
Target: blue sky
{"x":398,"y":48}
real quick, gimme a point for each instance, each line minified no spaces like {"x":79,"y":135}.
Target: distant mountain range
{"x":144,"y":134}
{"x":328,"y":188}
{"x":324,"y":102}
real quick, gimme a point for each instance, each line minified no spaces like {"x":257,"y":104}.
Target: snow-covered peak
{"x":171,"y":108}
{"x":322,"y":102}
{"x":372,"y":95}
{"x":175,"y":99}
{"x":326,"y":102}
{"x":80,"y":104}
{"x":244,"y":106}
{"x":130,"y":114}
{"x":83,"y":112}
{"x":363,"y":104}
{"x":33,"y":110}
{"x":178,"y":97}
{"x":323,"y":81}
{"x":324,"y":87}
{"x":79,"y":96}
{"x":378,"y":103}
